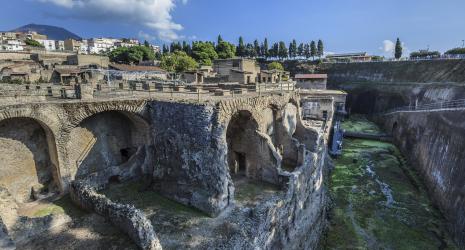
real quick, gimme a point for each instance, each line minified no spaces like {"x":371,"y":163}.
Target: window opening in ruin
{"x":125,"y":154}
{"x":114,"y":179}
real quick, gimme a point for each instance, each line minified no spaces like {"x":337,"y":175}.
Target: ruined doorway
{"x":28,"y":160}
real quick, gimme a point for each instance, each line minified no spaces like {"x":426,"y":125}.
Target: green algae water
{"x":379,"y":201}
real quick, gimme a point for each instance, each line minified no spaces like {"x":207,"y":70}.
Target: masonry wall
{"x":434,"y":142}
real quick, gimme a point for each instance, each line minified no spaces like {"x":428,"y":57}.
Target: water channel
{"x":378,"y":200}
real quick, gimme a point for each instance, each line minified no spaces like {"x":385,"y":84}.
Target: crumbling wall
{"x":126,"y":217}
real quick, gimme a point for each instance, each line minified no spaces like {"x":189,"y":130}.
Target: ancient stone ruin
{"x":243,"y":172}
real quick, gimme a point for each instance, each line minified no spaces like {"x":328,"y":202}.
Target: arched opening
{"x":363,"y":103}
{"x":242,"y":144}
{"x":28,"y":160}
{"x":252,"y":158}
{"x":105,"y":140}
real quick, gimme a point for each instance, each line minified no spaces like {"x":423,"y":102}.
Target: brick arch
{"x":50,"y":126}
{"x":48,"y":120}
{"x":87,"y":110}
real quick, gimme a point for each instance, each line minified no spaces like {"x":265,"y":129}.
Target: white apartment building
{"x":60,"y":45}
{"x":48,"y":44}
{"x":12,"y":45}
{"x":99,"y":45}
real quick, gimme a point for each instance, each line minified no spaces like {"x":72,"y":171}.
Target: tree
{"x":282,"y":51}
{"x":265,"y":48}
{"x":256,"y":46}
{"x":186,"y":47}
{"x":274,"y":51}
{"x":301,"y":50}
{"x":165,"y":49}
{"x":33,"y":43}
{"x":132,"y":55}
{"x":307,"y":53}
{"x":219,"y":40}
{"x":293,"y":49}
{"x":275,"y":65}
{"x":178,"y":61}
{"x":320,"y":48}
{"x":240,"y":51}
{"x":204,"y":52}
{"x":250,"y":51}
{"x":398,"y":49}
{"x":313,"y":51}
{"x":146,"y":43}
{"x":225,"y":50}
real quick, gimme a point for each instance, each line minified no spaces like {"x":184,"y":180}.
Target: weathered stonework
{"x":183,"y":150}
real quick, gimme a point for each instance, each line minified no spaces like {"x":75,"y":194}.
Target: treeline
{"x":202,"y":51}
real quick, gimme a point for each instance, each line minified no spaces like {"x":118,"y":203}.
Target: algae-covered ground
{"x":379,"y":202}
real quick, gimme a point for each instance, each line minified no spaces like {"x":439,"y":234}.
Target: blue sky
{"x":344,"y":25}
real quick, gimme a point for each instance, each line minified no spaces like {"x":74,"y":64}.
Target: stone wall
{"x":126,"y":217}
{"x":434,"y":142}
{"x":404,"y":71}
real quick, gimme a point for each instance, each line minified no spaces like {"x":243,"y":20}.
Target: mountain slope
{"x":52,"y":32}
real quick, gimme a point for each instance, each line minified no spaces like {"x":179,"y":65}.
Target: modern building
{"x":48,"y":44}
{"x":311,"y":81}
{"x":350,"y":57}
{"x":60,"y":45}
{"x":72,"y":45}
{"x":12,"y":45}
{"x":100,"y":45}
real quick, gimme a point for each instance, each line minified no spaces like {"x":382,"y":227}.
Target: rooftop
{"x":311,"y":76}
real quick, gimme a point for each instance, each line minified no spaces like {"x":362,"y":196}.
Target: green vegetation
{"x":424,"y":54}
{"x":204,"y":52}
{"x":148,"y":201}
{"x":64,"y":205}
{"x":365,"y":178}
{"x":320,"y":49}
{"x":178,"y":61}
{"x":359,"y":123}
{"x":275,"y":65}
{"x":225,"y":50}
{"x":456,"y":51}
{"x":132,"y":55}
{"x":252,"y":191}
{"x":398,"y":49}
{"x":33,"y":43}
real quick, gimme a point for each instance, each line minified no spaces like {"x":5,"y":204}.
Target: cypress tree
{"x":320,"y":48}
{"x":313,"y":51}
{"x":398,"y":50}
{"x":240,"y":51}
{"x":265,"y":48}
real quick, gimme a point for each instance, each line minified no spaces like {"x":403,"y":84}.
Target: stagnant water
{"x":379,"y":202}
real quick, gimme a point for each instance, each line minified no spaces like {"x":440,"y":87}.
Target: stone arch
{"x":251,"y":153}
{"x":29,"y":162}
{"x":103,"y":141}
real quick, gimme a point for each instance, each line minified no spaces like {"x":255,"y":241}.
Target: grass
{"x":149,"y":201}
{"x":64,"y":205}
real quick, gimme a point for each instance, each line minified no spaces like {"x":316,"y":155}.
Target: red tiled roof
{"x":311,"y":76}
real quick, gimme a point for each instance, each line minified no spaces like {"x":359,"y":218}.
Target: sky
{"x":343,"y":25}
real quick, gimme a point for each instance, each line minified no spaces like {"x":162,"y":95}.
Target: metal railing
{"x":448,"y":105}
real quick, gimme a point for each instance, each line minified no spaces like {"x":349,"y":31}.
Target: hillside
{"x":52,"y":32}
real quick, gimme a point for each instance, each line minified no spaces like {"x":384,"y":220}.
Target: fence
{"x":454,"y":104}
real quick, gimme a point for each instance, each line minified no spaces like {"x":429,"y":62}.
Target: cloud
{"x":153,"y":14}
{"x":389,"y":48}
